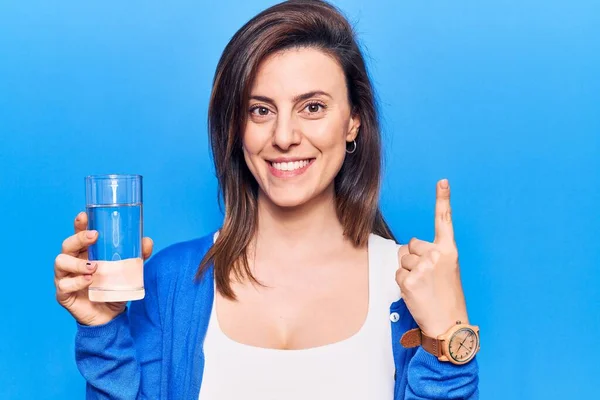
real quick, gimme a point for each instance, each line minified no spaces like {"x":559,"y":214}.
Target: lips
{"x":285,"y":168}
{"x":290,"y":165}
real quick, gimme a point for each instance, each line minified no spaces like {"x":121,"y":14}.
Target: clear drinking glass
{"x":114,"y":208}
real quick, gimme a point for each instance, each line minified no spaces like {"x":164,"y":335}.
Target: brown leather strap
{"x":411,"y":338}
{"x":431,"y":345}
{"x":415,"y":337}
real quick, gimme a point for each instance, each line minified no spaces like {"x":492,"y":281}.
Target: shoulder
{"x":178,"y":258}
{"x":390,"y":246}
{"x":387,"y":251}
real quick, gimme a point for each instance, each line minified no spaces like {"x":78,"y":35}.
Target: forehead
{"x":299,"y":70}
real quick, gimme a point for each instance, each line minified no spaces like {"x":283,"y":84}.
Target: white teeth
{"x":290,"y":166}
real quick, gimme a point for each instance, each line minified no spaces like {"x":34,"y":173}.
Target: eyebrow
{"x":297,"y":98}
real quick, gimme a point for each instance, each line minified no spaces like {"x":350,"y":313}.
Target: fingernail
{"x":90,"y":266}
{"x":91,"y":234}
{"x":444,"y":183}
{"x":87,"y":277}
{"x":78,"y":217}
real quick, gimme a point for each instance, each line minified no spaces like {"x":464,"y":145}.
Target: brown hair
{"x":294,"y":23}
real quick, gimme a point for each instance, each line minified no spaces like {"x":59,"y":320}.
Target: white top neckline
{"x":325,"y":347}
{"x":360,"y":367}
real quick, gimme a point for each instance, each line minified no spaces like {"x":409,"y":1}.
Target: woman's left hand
{"x":429,"y":275}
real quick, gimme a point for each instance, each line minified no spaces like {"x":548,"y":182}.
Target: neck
{"x":307,"y":226}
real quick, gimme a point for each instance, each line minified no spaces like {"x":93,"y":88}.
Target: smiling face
{"x":299,"y":121}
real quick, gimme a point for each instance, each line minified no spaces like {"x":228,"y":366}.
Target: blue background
{"x":501,"y":97}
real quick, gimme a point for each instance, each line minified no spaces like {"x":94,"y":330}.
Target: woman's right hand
{"x":73,"y":274}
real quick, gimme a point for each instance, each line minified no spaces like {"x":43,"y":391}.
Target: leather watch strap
{"x":415,"y":337}
{"x":411,"y":338}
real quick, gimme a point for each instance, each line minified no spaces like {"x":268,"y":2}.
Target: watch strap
{"x":415,"y":337}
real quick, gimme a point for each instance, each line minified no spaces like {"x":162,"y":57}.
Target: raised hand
{"x":429,"y":274}
{"x":73,"y":274}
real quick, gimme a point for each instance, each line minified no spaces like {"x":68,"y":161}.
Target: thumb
{"x":444,"y":231}
{"x":147,"y":246}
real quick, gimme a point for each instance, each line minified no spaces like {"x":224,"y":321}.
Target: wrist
{"x":458,"y":344}
{"x":442,"y":326}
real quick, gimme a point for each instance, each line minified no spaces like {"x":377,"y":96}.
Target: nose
{"x":286,"y":134}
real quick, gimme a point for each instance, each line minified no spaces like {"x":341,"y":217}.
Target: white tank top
{"x":358,"y":368}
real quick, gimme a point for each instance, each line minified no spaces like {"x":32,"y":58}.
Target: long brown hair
{"x":295,"y":23}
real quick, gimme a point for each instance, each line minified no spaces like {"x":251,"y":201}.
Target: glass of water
{"x":114,"y":208}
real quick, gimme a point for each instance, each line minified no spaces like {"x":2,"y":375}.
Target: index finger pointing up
{"x":444,"y":232}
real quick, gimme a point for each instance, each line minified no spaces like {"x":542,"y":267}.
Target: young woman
{"x":303,"y":293}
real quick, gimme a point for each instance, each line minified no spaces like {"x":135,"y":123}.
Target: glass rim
{"x":113,"y":176}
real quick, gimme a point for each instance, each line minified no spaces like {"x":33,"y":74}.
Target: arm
{"x":121,"y":360}
{"x":428,"y":378}
{"x":429,"y":280}
{"x":420,"y":375}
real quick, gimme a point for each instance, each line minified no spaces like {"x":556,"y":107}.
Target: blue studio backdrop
{"x":501,"y":97}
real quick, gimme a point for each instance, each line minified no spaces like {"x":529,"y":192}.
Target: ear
{"x":353,"y":126}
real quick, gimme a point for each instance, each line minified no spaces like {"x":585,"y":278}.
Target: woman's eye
{"x":262,"y":111}
{"x":314,"y":107}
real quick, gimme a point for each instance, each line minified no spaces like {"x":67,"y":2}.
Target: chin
{"x":288,"y":198}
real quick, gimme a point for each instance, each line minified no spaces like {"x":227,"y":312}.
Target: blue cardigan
{"x":154,"y":350}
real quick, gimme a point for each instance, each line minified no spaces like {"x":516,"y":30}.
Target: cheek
{"x":330,"y":140}
{"x":253,"y":140}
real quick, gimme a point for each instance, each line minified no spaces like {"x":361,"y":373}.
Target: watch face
{"x":463,"y":345}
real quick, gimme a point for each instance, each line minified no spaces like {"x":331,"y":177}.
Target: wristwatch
{"x":458,"y":345}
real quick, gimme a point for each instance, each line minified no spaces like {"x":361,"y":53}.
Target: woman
{"x":298,"y":295}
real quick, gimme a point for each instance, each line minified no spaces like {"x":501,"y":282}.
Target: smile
{"x":290,"y":166}
{"x":285,"y":169}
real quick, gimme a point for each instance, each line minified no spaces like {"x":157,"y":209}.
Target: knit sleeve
{"x":121,"y":360}
{"x":428,"y":378}
{"x":420,"y":375}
